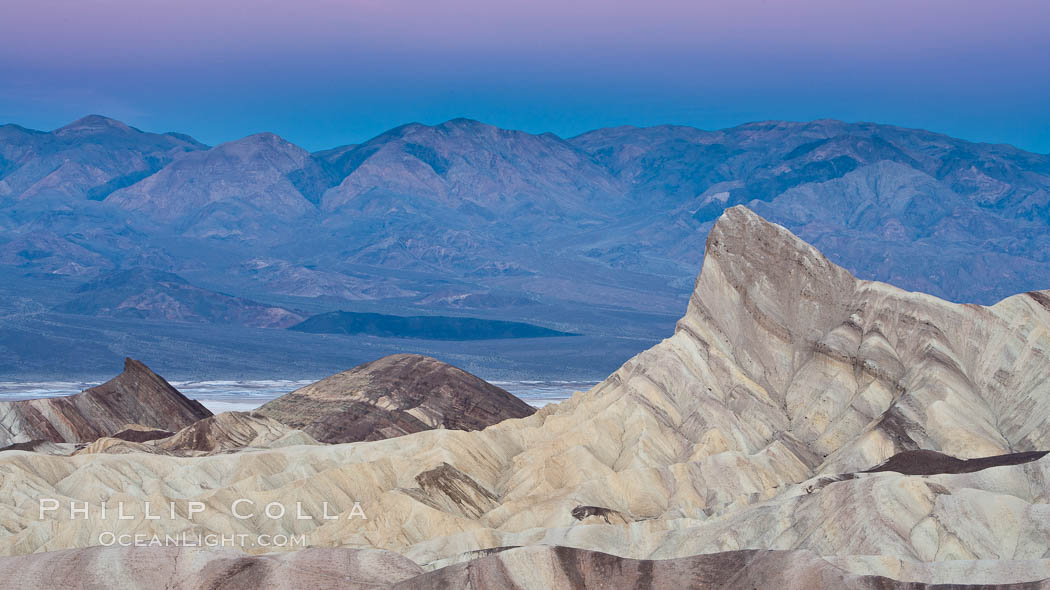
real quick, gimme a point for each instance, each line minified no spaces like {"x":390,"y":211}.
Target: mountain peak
{"x":747,"y":248}
{"x":755,"y":265}
{"x":264,"y":137}
{"x":738,"y":228}
{"x":464,"y":125}
{"x":263,"y":140}
{"x":463,"y":122}
{"x":265,"y":145}
{"x":136,"y":396}
{"x":93,"y":125}
{"x":394,"y":395}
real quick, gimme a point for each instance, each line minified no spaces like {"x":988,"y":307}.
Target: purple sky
{"x":327,"y":72}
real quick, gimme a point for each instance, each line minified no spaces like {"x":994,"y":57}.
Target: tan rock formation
{"x":221,"y":433}
{"x":231,"y":431}
{"x":180,"y":568}
{"x":515,"y":568}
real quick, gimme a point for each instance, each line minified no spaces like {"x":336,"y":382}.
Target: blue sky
{"x":328,"y":72}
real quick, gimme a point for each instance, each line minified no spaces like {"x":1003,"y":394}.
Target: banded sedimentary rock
{"x":395,"y":395}
{"x":136,"y":396}
{"x":221,"y":433}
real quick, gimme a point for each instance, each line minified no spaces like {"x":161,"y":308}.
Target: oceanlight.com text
{"x":240,"y":540}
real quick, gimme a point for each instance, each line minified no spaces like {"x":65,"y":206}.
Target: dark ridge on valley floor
{"x":425,"y":327}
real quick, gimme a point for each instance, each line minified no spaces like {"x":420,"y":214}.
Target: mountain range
{"x":464,"y":218}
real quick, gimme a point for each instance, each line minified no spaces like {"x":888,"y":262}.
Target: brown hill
{"x":136,"y":396}
{"x":395,"y":395}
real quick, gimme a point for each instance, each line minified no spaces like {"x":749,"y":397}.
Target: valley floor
{"x":222,"y":395}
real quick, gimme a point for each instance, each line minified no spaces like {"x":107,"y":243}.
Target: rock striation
{"x":800,"y":429}
{"x":392,"y":396}
{"x":136,"y":396}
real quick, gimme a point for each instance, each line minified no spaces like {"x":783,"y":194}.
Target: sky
{"x":323,"y":73}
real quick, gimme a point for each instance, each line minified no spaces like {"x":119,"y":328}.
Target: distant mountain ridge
{"x":467,"y":217}
{"x":90,"y":157}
